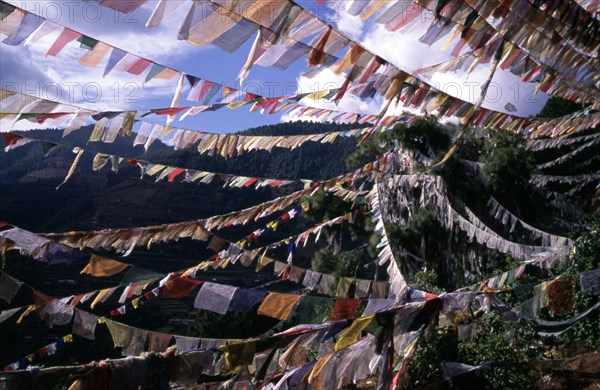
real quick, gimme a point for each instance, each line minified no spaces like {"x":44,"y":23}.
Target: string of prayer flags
{"x":479,"y":29}
{"x":54,"y":311}
{"x":281,"y":42}
{"x":406,"y":318}
{"x":409,"y":317}
{"x":48,"y":350}
{"x":560,"y":142}
{"x":581,"y":180}
{"x":221,"y":299}
{"x":397,"y":282}
{"x":124,"y":61}
{"x":502,"y":214}
{"x":565,"y":158}
{"x":338,"y":41}
{"x":548,"y":82}
{"x":99,"y":267}
{"x":38,"y":247}
{"x":227,"y":145}
{"x":238,"y":352}
{"x":109,"y":125}
{"x":197,"y":229}
{"x":162,"y":172}
{"x":456,"y":215}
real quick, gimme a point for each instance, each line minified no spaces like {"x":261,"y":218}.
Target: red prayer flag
{"x":10,"y":139}
{"x":66,"y":36}
{"x":171,"y":176}
{"x":345,"y":309}
{"x":171,"y":111}
{"x":250,"y":181}
{"x":139,"y":66}
{"x":179,"y":287}
{"x":45,"y":117}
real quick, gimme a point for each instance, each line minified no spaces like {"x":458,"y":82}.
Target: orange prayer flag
{"x":93,"y":57}
{"x":278,"y":305}
{"x":101,"y":266}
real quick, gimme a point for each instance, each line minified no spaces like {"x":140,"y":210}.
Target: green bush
{"x":424,"y":229}
{"x":323,"y":206}
{"x":233,"y":325}
{"x":586,"y":257}
{"x":508,"y":164}
{"x":427,"y":281}
{"x":424,"y":366}
{"x":556,"y":107}
{"x":510,"y":345}
{"x":426,"y":135}
{"x":341,"y":265}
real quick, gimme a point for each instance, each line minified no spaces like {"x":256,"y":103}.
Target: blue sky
{"x":63,"y":78}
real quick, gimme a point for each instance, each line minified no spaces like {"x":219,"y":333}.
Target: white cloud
{"x":326,"y":80}
{"x":63,"y":78}
{"x":350,"y":25}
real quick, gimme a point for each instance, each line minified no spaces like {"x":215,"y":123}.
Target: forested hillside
{"x":102,"y":199}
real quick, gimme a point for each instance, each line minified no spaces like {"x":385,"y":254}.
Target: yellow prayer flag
{"x":99,"y":297}
{"x":350,"y":335}
{"x":233,"y":105}
{"x":316,"y":371}
{"x":128,"y":123}
{"x":450,"y":39}
{"x":5,"y":93}
{"x":225,"y":263}
{"x":371,"y":9}
{"x":29,"y":309}
{"x":263,"y":261}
